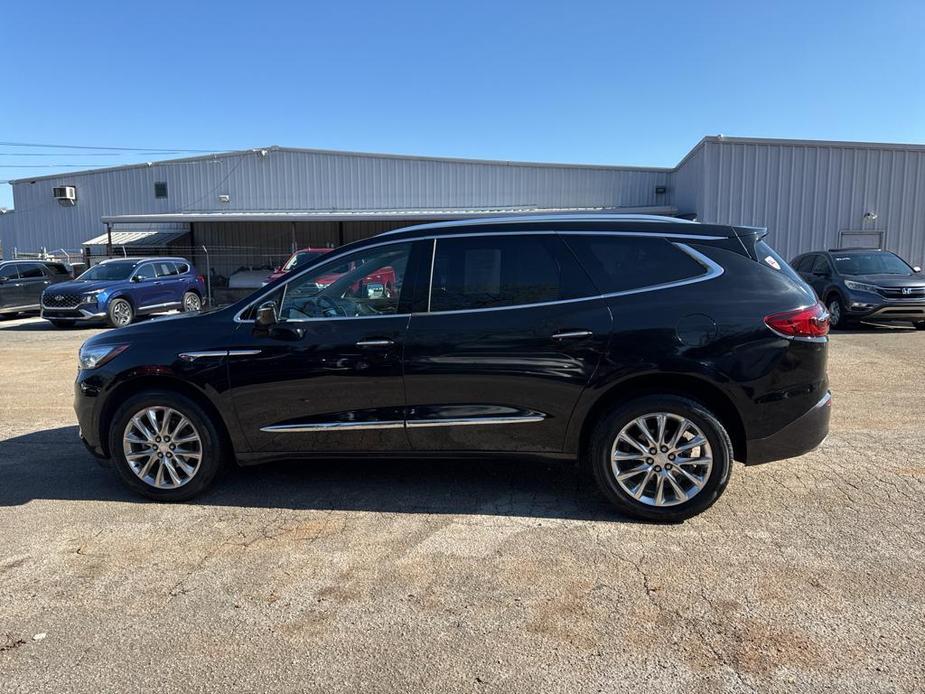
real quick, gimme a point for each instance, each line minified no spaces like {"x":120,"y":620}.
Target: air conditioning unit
{"x":65,"y":195}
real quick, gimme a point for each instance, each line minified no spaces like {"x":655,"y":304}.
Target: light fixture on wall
{"x":870,"y":216}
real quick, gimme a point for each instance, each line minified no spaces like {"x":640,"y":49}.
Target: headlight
{"x":90,"y":297}
{"x":91,"y":357}
{"x":861,"y":287}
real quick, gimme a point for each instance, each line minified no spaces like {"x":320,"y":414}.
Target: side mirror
{"x":917,"y":268}
{"x":267,"y":315}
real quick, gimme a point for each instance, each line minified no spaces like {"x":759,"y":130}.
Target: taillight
{"x":812,"y":321}
{"x":202,"y":278}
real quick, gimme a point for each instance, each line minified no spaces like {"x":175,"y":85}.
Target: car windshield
{"x":118,"y":270}
{"x":870,"y":264}
{"x":301,"y":259}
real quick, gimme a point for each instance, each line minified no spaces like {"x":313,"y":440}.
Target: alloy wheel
{"x":834,"y":312}
{"x":661,"y":459}
{"x":162,"y":447}
{"x":192,"y":302}
{"x":121,"y":313}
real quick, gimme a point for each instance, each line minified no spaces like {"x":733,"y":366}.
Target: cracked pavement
{"x":457,"y":577}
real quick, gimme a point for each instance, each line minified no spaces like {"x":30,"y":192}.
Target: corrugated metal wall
{"x":310,"y":180}
{"x":806,"y":194}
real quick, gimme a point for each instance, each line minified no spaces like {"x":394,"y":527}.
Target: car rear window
{"x":624,"y":263}
{"x":58,"y":268}
{"x":768,"y":256}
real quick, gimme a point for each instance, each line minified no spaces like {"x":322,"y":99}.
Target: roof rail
{"x":570,"y":217}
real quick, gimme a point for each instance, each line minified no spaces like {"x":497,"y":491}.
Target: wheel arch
{"x":132,"y":386}
{"x":692,"y":387}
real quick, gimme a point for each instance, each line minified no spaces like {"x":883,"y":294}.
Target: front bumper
{"x":800,"y":436}
{"x":865,"y":307}
{"x":84,"y":312}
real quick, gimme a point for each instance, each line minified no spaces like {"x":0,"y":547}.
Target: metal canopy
{"x":363,"y":215}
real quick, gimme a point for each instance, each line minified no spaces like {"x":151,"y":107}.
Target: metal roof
{"x":136,"y":239}
{"x":365,"y":215}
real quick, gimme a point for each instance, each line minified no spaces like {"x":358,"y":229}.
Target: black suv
{"x":23,"y":281}
{"x":860,"y":283}
{"x":655,"y":350}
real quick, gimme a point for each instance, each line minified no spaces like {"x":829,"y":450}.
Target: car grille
{"x":903,"y":292}
{"x":53,"y":300}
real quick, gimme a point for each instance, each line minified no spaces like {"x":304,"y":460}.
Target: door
{"x":145,"y":291}
{"x":11,"y":295}
{"x":328,"y":377}
{"x":820,"y":275}
{"x":33,"y":280}
{"x":168,"y":291}
{"x":514,"y":332}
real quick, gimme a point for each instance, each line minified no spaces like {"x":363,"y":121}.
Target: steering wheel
{"x":330,"y":308}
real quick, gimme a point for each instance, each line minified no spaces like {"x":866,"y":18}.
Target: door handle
{"x":375,"y":343}
{"x":572,"y":334}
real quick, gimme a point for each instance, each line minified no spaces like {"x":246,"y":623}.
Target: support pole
{"x":108,"y":239}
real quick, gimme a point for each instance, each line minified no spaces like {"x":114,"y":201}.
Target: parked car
{"x":382,"y":281}
{"x":23,"y":281}
{"x":860,"y":283}
{"x":117,"y":291}
{"x":655,"y":350}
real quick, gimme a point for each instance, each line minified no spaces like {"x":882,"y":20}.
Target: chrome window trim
{"x":713,"y":270}
{"x":169,"y":303}
{"x":221,"y":353}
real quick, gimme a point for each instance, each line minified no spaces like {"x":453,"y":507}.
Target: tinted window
{"x":803,"y":263}
{"x":622,"y":263}
{"x":165,"y":269}
{"x":146,"y":271}
{"x":821,"y":265}
{"x":366,"y":283}
{"x":301,"y":259}
{"x":870,"y":264}
{"x":57,"y":268}
{"x":116,"y":270}
{"x":493,"y":271}
{"x":31,"y":271}
{"x":182,"y":268}
{"x":9,"y":272}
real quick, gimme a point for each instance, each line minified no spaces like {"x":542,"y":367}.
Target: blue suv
{"x":116,"y":291}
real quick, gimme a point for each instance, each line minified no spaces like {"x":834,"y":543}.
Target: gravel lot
{"x":806,"y":576}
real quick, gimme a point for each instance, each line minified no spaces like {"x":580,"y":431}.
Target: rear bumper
{"x":799,"y":437}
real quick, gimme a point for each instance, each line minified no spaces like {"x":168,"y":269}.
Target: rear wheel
{"x":62,"y":323}
{"x":120,"y":313}
{"x":165,"y":446}
{"x":192,"y":302}
{"x":661,"y":458}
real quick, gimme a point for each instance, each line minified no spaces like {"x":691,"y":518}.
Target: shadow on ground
{"x":53,"y":464}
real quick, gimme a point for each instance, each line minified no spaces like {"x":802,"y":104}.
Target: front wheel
{"x":836,"y":313}
{"x":191,"y":302}
{"x":661,"y":458}
{"x":165,"y":446}
{"x":120,"y":313}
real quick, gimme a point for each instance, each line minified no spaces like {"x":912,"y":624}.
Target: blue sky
{"x":597,"y":82}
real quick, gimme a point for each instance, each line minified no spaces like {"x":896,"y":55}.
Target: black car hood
{"x":915,"y":280}
{"x":162,"y":328}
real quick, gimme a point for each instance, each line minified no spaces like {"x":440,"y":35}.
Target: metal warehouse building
{"x":248,"y":209}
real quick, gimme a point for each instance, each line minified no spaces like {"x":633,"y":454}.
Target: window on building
{"x":495,"y":271}
{"x":160,"y":189}
{"x":623,"y":263}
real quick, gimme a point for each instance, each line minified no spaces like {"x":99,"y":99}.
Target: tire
{"x":192,"y":302}
{"x":920,"y":325}
{"x":64,"y":324}
{"x":674,"y":507}
{"x":836,"y":313}
{"x":210,"y":446}
{"x":120,"y":313}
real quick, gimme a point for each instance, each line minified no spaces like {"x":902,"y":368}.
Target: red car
{"x":381,"y":282}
